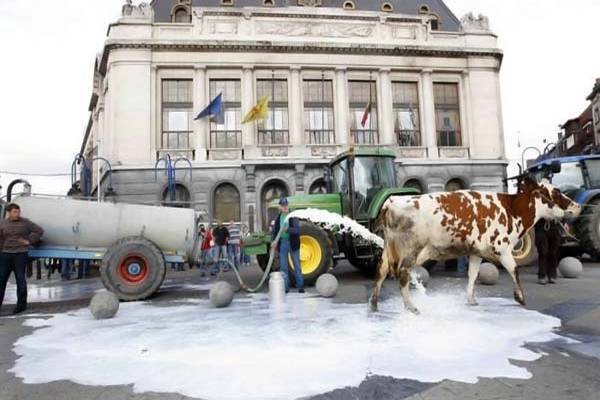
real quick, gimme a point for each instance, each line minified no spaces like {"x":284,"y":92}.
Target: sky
{"x":48,"y":50}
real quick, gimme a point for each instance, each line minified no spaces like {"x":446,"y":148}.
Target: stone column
{"x":248,"y":101}
{"x":428,"y":107}
{"x":386,"y":109}
{"x":201,"y":100}
{"x":466,"y":112}
{"x":342,"y":131}
{"x":295,"y":110}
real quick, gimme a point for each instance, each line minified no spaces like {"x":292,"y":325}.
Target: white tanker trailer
{"x":134,"y":242}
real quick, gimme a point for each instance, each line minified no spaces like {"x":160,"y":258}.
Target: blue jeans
{"x":233,"y":250}
{"x":284,"y":252}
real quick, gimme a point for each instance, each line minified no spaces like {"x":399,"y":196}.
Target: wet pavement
{"x":565,"y":370}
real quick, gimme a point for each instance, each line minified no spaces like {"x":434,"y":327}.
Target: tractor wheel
{"x":525,"y":252}
{"x":316,"y":256}
{"x":588,"y":230}
{"x":133,"y":269}
{"x":367,"y":268}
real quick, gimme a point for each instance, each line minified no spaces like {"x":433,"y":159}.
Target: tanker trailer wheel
{"x":525,"y":252}
{"x":133,"y":269}
{"x":316,"y":256}
{"x":588,"y":230}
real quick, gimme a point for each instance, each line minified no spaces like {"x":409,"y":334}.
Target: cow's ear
{"x":526,"y":184}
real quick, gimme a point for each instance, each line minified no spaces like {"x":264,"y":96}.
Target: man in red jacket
{"x":16,"y":235}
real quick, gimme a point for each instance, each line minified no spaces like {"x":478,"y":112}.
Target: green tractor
{"x":359,"y":181}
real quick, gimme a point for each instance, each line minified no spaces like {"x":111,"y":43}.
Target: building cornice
{"x":311,"y":48}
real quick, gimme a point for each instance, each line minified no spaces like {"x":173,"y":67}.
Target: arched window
{"x":273,"y":190}
{"x":182,"y":16}
{"x":318,"y":187}
{"x":180,"y":197}
{"x":387,"y":7}
{"x":455,"y":184}
{"x":349,"y":5}
{"x":424,"y":9}
{"x":414,"y":184}
{"x":227,"y":2}
{"x":268,"y":3}
{"x":226,"y":203}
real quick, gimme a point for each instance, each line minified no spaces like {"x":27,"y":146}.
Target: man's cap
{"x":283,"y":201}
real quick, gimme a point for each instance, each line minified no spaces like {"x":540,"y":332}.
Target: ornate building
{"x":432,"y":83}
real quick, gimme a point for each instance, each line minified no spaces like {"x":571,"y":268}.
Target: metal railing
{"x":365,"y":136}
{"x":320,"y":136}
{"x":231,"y":139}
{"x":408,"y":138}
{"x":268,"y":137}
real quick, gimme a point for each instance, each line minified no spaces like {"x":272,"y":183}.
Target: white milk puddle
{"x":311,"y":346}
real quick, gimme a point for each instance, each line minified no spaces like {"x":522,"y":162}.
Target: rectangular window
{"x":406,"y":113}
{"x":177,"y":114}
{"x":318,"y":111}
{"x":447,"y":114}
{"x":363,"y":94}
{"x":227,"y":133}
{"x":274,"y":130}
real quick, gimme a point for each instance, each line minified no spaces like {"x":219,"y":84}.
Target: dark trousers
{"x":17,"y":263}
{"x":548,"y":247}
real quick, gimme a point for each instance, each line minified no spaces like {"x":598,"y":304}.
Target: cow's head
{"x":550,"y":203}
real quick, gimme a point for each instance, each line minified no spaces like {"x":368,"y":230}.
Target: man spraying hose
{"x":289,"y":244}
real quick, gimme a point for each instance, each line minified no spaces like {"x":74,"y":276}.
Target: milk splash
{"x":336,"y":222}
{"x":312,"y":346}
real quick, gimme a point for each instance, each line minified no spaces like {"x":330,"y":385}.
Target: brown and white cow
{"x":445,"y":226}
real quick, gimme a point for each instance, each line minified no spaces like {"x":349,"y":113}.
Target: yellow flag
{"x":259,"y":111}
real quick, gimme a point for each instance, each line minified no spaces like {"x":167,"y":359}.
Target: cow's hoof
{"x":520,"y":299}
{"x":413,"y":310}
{"x":472,"y":302}
{"x":373,"y":306}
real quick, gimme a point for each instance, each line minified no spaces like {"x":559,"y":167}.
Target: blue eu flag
{"x":213,"y":110}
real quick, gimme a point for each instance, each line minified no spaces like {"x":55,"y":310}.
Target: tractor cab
{"x":360,"y":176}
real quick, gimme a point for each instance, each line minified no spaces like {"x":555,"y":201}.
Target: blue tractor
{"x":579,"y":178}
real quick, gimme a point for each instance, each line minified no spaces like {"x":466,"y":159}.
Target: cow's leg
{"x":382,"y":273}
{"x":474,"y":263}
{"x":509,"y":263}
{"x":404,"y":286}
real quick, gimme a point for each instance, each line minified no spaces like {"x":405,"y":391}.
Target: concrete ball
{"x":488,"y":274}
{"x":221,"y":294}
{"x":104,"y":305}
{"x":327,"y":285}
{"x":570,"y":267}
{"x":422,"y":275}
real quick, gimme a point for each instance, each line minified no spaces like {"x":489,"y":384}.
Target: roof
{"x":583,"y":118}
{"x":564,"y":160}
{"x":365,"y":152}
{"x":449,"y":22}
{"x":595,"y":90}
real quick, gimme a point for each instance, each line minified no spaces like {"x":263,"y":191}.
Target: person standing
{"x":289,"y":244}
{"x":547,"y":241}
{"x":16,"y":235}
{"x":221,"y":237}
{"x":233,"y":245}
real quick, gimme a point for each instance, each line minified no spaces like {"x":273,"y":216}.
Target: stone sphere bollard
{"x":422,"y":275}
{"x":570,"y":267}
{"x":488,"y":274}
{"x":327,"y":285}
{"x":104,"y":305}
{"x":221,"y":294}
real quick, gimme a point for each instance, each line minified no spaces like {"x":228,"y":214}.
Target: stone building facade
{"x":432,"y":82}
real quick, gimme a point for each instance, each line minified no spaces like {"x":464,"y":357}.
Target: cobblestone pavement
{"x":565,"y":371}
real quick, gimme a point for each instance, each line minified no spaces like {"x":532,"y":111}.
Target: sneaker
{"x":541,"y":281}
{"x":300,"y":290}
{"x":551,"y":281}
